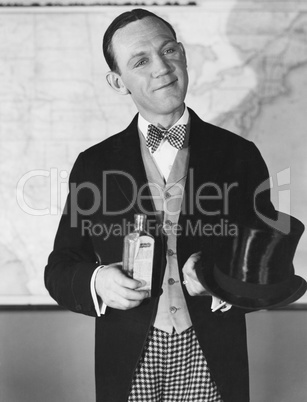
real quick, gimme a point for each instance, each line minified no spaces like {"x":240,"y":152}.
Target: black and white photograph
{"x":153,"y":201}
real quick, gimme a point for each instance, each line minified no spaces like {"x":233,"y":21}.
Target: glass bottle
{"x":138,"y":252}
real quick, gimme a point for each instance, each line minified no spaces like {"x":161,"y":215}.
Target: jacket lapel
{"x":205,"y":154}
{"x":132,"y":180}
{"x":205,"y":161}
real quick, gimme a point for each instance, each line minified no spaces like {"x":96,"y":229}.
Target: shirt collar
{"x":143,"y":123}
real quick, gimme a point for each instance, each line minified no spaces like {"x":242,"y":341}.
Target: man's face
{"x":152,"y":67}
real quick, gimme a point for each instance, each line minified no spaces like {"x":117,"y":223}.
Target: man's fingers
{"x":189,"y":266}
{"x":132,"y":295}
{"x":125,"y":281}
{"x":118,"y":290}
{"x":125,"y":298}
{"x":121,"y":303}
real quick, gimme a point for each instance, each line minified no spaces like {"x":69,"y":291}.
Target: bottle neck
{"x":139,"y":222}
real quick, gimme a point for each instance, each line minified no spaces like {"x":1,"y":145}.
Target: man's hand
{"x":117,"y":290}
{"x":194,"y":287}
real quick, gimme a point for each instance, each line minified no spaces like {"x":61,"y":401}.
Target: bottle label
{"x":143,"y":261}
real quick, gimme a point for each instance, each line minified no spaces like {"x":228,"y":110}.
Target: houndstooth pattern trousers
{"x":173,"y":369}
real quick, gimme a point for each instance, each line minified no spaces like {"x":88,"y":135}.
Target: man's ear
{"x":115,"y":82}
{"x":183,"y":51}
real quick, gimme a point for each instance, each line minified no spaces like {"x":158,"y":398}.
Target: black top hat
{"x":253,"y":269}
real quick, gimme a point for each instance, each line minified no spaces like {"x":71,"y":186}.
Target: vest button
{"x":173,"y":309}
{"x":170,"y":252}
{"x":171,"y":281}
{"x":167,"y":227}
{"x":167,"y":194}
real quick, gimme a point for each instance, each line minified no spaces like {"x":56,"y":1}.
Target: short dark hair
{"x":120,"y":22}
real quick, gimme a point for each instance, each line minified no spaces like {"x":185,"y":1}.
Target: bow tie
{"x":175,"y":136}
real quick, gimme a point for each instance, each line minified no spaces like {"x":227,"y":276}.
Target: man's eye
{"x":140,"y":63}
{"x":168,"y":51}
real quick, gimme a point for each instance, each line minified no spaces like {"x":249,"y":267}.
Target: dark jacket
{"x":107,"y":187}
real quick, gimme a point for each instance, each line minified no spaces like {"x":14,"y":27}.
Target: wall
{"x":48,"y":356}
{"x":278,"y":356}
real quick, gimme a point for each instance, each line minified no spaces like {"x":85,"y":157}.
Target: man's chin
{"x":169,"y":107}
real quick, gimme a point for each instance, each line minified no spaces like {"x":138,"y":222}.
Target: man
{"x":171,"y":345}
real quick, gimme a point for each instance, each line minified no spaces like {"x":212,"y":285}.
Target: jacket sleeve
{"x":251,"y":200}
{"x":257,"y":193}
{"x":72,"y":262}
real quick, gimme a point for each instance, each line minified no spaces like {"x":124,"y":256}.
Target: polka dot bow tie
{"x":175,"y":136}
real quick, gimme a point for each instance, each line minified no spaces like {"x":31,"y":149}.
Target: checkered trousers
{"x":173,"y":369}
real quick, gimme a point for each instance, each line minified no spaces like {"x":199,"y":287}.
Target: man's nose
{"x":161,"y":66}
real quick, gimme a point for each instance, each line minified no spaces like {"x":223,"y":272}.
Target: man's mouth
{"x":169,"y":84}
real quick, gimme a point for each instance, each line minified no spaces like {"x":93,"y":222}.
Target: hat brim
{"x":294,"y":289}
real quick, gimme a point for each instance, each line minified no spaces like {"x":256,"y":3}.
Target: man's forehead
{"x":141,"y":31}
